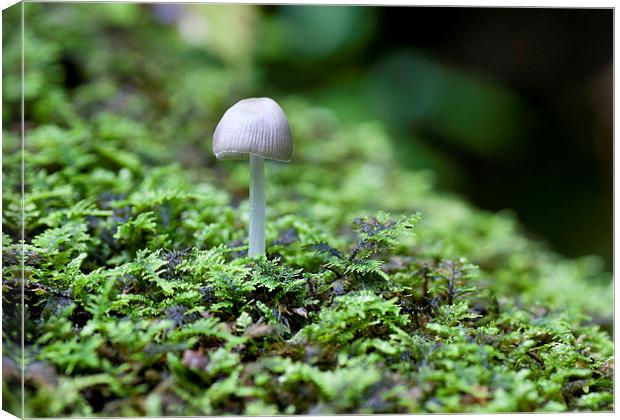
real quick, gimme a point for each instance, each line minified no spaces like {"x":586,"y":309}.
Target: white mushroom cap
{"x":253,"y":126}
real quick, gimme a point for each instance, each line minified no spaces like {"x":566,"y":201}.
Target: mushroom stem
{"x":257,"y":206}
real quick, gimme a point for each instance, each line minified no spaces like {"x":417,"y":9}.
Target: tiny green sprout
{"x":256,"y":128}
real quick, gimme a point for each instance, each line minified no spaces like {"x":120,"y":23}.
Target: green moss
{"x":378,"y":294}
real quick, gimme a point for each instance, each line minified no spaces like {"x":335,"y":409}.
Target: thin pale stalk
{"x":257,"y":206}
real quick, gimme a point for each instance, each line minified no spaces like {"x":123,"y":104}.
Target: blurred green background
{"x":509,"y":108}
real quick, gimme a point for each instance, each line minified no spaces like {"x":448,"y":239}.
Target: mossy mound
{"x":378,"y":294}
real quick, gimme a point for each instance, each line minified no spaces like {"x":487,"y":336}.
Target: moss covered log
{"x":378,"y":294}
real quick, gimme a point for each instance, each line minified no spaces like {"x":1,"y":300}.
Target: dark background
{"x":511,"y":108}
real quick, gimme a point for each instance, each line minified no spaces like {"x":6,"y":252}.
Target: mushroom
{"x":256,"y":128}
